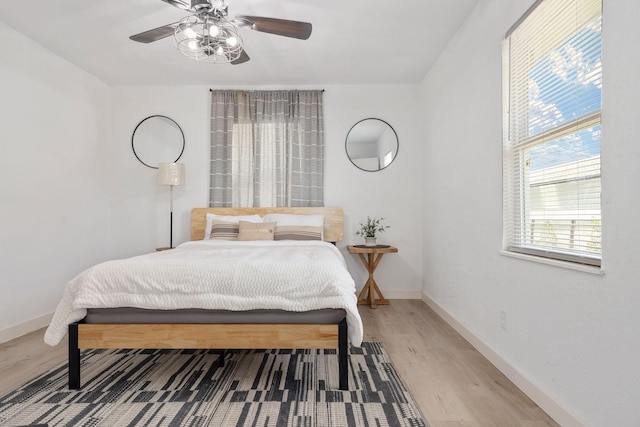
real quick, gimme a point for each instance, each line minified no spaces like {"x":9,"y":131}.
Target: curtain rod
{"x":321,"y":90}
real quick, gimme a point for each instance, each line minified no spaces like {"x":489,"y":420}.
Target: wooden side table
{"x":371,"y":261}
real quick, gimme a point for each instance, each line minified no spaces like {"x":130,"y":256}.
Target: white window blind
{"x":552,"y":84}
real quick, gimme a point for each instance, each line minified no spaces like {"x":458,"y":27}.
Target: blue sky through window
{"x":566,"y":85}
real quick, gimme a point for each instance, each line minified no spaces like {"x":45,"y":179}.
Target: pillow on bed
{"x":295,"y":219}
{"x":227,"y":218}
{"x":297,"y":232}
{"x":224,"y":230}
{"x":256,"y":231}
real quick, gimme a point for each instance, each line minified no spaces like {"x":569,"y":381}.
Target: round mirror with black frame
{"x":371,"y":144}
{"x":157,"y":139}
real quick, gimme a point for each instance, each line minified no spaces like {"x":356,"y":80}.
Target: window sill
{"x":556,"y":263}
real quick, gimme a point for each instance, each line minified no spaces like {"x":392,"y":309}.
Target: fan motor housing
{"x":200,"y":4}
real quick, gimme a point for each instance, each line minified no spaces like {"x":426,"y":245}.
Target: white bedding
{"x":212,"y":274}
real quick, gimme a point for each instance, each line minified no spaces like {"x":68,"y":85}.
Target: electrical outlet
{"x":503,"y":319}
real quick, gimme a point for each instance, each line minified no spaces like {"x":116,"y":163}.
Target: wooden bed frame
{"x":219,"y":336}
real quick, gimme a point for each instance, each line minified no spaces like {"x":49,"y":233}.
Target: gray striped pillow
{"x":298,"y":232}
{"x":223,"y":230}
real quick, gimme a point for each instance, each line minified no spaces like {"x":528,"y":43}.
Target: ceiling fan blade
{"x":184,"y":5}
{"x":281,"y":27}
{"x":155,"y":34}
{"x":242,"y":58}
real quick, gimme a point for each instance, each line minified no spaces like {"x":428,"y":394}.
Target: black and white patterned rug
{"x":188,"y":388}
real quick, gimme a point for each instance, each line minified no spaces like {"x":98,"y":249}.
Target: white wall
{"x":140,"y":212}
{"x":54,"y":199}
{"x":393,"y":193}
{"x":570,"y":335}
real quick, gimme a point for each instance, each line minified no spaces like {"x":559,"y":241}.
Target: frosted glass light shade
{"x":171,"y":174}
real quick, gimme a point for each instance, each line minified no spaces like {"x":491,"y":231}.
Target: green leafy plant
{"x":371,"y":227}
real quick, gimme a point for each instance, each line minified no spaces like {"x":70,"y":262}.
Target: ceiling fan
{"x":207,"y":35}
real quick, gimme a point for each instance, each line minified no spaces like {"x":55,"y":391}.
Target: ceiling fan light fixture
{"x":207,"y":35}
{"x":189,"y":33}
{"x":214,"y":30}
{"x":208,"y":39}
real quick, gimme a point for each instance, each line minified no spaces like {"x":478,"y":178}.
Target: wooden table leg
{"x":370,"y":289}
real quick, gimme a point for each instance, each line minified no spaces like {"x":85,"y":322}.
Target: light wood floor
{"x":454,"y":385}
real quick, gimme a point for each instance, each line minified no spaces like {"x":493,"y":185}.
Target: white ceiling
{"x":353,"y":41}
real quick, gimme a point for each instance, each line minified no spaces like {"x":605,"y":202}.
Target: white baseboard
{"x":24,"y":328}
{"x":560,"y":414}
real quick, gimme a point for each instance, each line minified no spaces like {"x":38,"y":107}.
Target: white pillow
{"x":227,"y":218}
{"x":293,"y":219}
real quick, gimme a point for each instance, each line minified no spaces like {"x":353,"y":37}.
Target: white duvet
{"x":212,"y":274}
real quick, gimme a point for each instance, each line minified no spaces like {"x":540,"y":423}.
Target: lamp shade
{"x":171,"y":174}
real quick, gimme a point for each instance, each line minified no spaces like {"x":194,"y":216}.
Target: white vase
{"x":369,"y":241}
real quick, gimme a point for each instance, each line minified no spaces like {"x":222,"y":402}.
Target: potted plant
{"x":369,"y":230}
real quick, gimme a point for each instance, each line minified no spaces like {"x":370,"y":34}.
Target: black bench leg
{"x":343,"y":355}
{"x":74,"y":358}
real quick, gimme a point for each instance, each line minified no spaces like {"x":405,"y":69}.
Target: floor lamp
{"x":171,"y":174}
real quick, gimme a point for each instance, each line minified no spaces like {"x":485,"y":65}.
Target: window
{"x":552,"y":85}
{"x":267,"y":148}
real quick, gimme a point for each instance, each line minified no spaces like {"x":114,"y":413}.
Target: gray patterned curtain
{"x":267,"y":148}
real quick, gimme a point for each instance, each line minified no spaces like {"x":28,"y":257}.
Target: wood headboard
{"x":333,"y":218}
